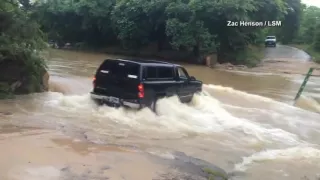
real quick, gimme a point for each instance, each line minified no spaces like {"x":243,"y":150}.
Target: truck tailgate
{"x":118,"y":79}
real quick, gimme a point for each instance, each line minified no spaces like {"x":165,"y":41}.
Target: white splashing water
{"x":308,"y":103}
{"x":293,"y":153}
{"x":204,"y":116}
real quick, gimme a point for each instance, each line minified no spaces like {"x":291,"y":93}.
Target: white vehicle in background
{"x":270,"y":41}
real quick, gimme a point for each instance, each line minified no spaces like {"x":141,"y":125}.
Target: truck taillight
{"x":141,"y":91}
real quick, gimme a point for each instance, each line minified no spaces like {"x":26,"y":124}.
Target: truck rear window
{"x":120,"y":69}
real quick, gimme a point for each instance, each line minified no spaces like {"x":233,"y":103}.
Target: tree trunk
{"x":197,"y":55}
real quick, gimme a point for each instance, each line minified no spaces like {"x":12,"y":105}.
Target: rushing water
{"x":242,"y":122}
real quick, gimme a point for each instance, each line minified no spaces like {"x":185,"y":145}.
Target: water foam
{"x":236,"y":92}
{"x":308,"y":103}
{"x":69,"y":85}
{"x":293,"y":153}
{"x":300,"y":81}
{"x":71,"y":102}
{"x":272,"y":104}
{"x":227,"y":121}
{"x":204,"y":115}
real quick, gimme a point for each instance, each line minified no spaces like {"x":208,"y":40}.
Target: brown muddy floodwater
{"x":243,"y":122}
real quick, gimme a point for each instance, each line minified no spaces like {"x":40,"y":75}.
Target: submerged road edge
{"x":56,"y":155}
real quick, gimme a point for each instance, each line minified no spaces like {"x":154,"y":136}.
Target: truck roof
{"x":146,"y":62}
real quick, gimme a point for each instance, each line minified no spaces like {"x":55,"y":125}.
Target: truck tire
{"x":97,"y":102}
{"x":153,"y":105}
{"x":190,"y":99}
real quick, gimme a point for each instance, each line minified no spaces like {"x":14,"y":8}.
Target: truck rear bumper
{"x":122,"y":102}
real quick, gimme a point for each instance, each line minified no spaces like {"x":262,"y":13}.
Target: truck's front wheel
{"x":97,"y":102}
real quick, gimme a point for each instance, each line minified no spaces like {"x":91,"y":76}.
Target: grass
{"x":308,"y":49}
{"x":215,"y":175}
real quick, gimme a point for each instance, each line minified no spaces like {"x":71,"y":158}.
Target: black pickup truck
{"x":140,"y":83}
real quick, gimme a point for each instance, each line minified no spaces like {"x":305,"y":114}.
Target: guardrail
{"x":303,"y":85}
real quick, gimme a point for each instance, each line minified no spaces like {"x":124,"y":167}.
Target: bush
{"x":21,"y":67}
{"x":316,"y":41}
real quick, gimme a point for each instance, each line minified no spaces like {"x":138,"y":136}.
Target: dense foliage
{"x":196,"y":26}
{"x":309,"y":32}
{"x":21,"y":68}
{"x":310,"y":22}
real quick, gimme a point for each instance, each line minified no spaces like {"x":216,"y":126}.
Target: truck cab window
{"x":182,"y":73}
{"x":150,"y":72}
{"x":165,"y":73}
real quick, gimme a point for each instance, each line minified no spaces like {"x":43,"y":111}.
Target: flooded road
{"x":244,"y":122}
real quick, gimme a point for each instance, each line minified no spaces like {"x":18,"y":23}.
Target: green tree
{"x":197,"y":27}
{"x":131,"y":22}
{"x":309,"y":19}
{"x":316,"y":41}
{"x":21,"y":67}
{"x":291,"y":22}
{"x":186,"y":30}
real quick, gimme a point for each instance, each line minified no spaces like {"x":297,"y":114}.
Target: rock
{"x":193,"y":165}
{"x":185,"y":167}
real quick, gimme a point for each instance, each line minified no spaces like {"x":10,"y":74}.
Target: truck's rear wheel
{"x":190,"y":99}
{"x":153,"y":105}
{"x":97,"y":102}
